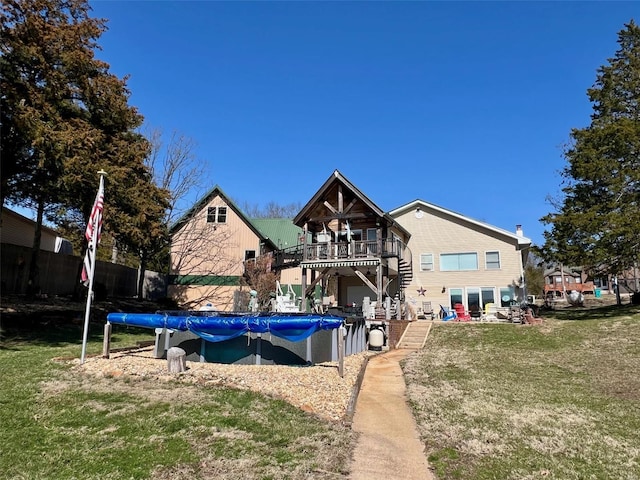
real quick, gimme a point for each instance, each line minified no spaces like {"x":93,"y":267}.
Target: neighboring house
{"x":209,"y":245}
{"x":16,"y":229}
{"x":461,"y":260}
{"x":575,"y":278}
{"x":560,"y":281}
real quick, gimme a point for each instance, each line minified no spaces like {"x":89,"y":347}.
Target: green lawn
{"x":57,"y":424}
{"x":558,"y":401}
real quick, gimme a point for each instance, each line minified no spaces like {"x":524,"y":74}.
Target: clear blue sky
{"x":461,"y":104}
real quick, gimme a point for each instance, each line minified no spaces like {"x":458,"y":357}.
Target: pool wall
{"x":265,"y":349}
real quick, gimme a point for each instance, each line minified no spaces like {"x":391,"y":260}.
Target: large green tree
{"x":65,"y":116}
{"x":597,"y":222}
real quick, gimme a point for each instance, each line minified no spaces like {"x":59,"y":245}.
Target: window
{"x":356,"y":235}
{"x":492,"y":260}
{"x":473,"y":298}
{"x":488,"y":295}
{"x":372,"y":241}
{"x":217,"y":215}
{"x":601,"y":282}
{"x":451,"y":262}
{"x":426,"y":262}
{"x":249,"y":254}
{"x":455,"y":296}
{"x":506,"y":297}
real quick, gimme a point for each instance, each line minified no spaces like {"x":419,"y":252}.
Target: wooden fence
{"x":58,"y":275}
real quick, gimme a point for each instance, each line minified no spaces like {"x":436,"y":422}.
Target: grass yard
{"x":557,"y":401}
{"x":57,"y":424}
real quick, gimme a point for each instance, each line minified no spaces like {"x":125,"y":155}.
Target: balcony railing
{"x":331,"y":251}
{"x":578,"y":287}
{"x":356,"y":249}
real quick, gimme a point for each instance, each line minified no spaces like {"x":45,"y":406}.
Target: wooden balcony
{"x":584,"y":287}
{"x":341,"y":251}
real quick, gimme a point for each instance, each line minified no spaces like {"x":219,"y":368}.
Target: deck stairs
{"x":415,"y":335}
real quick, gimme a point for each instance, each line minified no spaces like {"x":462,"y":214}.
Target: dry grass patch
{"x":508,"y":401}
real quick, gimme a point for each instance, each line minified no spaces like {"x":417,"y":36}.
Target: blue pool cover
{"x":221,"y":326}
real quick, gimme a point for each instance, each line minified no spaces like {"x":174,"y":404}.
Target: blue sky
{"x":461,"y":104}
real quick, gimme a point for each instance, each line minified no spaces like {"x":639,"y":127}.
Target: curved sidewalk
{"x":388,"y":444}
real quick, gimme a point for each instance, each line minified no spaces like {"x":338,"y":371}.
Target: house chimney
{"x":519,"y":230}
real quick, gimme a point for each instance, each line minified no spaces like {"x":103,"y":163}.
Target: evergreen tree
{"x":597,"y":223}
{"x":65,"y":116}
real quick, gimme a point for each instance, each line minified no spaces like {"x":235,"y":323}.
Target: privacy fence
{"x":59,"y":273}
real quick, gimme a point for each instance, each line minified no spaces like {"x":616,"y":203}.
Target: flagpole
{"x":92,"y":253}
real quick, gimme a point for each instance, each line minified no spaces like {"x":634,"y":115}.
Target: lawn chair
{"x":446,"y":315}
{"x":475,"y":312}
{"x":530,"y":319}
{"x":427,"y":311}
{"x":461,"y":314}
{"x":515,"y":314}
{"x":490,"y":313}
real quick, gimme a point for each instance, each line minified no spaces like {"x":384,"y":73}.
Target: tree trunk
{"x":141,"y":269}
{"x":33,"y":284}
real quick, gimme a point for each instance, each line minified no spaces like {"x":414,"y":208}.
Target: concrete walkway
{"x":388,"y":446}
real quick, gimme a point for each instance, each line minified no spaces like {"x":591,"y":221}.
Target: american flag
{"x":95,"y":223}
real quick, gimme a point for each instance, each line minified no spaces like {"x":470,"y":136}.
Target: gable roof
{"x":335,"y":177}
{"x":281,"y":231}
{"x":522,"y":241}
{"x":216,"y":191}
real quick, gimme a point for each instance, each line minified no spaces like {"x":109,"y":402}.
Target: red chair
{"x":462,"y":315}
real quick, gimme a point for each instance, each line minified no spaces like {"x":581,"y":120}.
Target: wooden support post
{"x":106,"y":343}
{"x":341,"y":351}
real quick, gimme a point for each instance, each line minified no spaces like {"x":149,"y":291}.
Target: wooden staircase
{"x":415,"y":336}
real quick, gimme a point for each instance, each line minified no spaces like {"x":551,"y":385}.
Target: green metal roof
{"x":281,"y":231}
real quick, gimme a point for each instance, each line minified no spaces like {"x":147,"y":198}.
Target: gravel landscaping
{"x":317,"y":389}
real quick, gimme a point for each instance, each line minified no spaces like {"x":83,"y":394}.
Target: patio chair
{"x":461,"y":314}
{"x":427,"y":310}
{"x":515,"y":314}
{"x":530,"y":319}
{"x":446,"y":315}
{"x":490,"y":313}
{"x":475,"y":312}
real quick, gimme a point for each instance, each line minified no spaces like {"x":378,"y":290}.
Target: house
{"x":461,"y":260}
{"x":559,"y":281}
{"x":352,"y":248}
{"x":16,"y":229}
{"x":209,"y":246}
{"x":342,"y":248}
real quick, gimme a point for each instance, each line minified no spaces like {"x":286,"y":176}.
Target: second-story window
{"x":217,"y":215}
{"x":492,"y":260}
{"x":452,"y":262}
{"x":426,"y":262}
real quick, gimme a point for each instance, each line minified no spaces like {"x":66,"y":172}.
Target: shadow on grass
{"x":51,"y":335}
{"x":592,"y":313}
{"x":58,"y":333}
